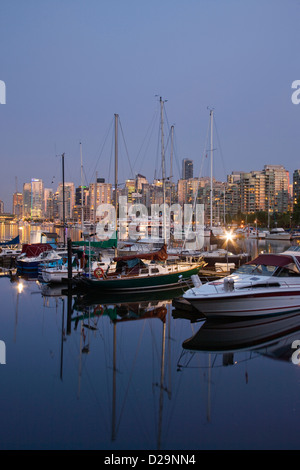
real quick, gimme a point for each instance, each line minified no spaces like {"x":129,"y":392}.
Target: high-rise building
{"x":18,"y":204}
{"x":296,"y":187}
{"x":266,"y":190}
{"x":26,"y":200}
{"x":129,"y":189}
{"x":103,"y":195}
{"x":276,"y":188}
{"x":187,"y":169}
{"x":139,"y":181}
{"x":49,"y":204}
{"x":252,"y":191}
{"x":69,"y":197}
{"x":37,"y":198}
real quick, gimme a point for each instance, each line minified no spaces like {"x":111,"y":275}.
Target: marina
{"x":149,"y":228}
{"x":81,"y":366}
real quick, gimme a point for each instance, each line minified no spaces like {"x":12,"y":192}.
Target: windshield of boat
{"x":287,"y":271}
{"x":256,"y":269}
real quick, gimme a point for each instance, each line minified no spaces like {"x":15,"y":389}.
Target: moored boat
{"x":146,"y":273}
{"x":267,"y":285}
{"x":278,"y":234}
{"x":33,"y":255}
{"x":58,"y":273}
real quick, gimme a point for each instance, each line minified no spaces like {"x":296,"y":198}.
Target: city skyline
{"x":69,"y":66}
{"x":270,"y":189}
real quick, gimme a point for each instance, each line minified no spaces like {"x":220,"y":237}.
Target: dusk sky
{"x":70,"y":65}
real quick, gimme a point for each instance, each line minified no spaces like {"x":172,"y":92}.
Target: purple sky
{"x":69,"y":65}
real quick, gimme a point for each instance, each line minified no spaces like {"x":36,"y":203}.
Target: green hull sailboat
{"x":143,"y":273}
{"x":141,"y":280}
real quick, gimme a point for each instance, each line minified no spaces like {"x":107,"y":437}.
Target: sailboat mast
{"x":116,"y":178}
{"x":81,"y":167}
{"x":163,"y":164}
{"x":211,"y":169}
{"x":171,"y":162}
{"x":63,"y":184}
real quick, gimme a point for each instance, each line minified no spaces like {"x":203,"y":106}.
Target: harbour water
{"x":81,"y":373}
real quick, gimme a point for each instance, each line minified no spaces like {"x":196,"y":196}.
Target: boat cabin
{"x":276,"y":265}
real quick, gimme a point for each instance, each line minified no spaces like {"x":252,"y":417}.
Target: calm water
{"x":85,"y":373}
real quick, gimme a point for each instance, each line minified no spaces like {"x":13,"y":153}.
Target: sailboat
{"x":134,"y":273}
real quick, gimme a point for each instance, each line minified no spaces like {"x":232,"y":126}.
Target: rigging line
{"x":102,"y":148}
{"x":149,"y":131}
{"x":175,"y":154}
{"x":111,"y":154}
{"x":168,"y":126}
{"x":130,"y":378}
{"x":225,"y":171}
{"x":126,"y":149}
{"x":197,"y":187}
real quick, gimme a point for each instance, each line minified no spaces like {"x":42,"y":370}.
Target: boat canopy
{"x":131,"y":263}
{"x":109,"y":243}
{"x":35,"y":249}
{"x":160,"y":255}
{"x":273,"y":260}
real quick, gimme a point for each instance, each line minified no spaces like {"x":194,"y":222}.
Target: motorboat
{"x":221,"y":255}
{"x":266,"y":285}
{"x":33,"y":255}
{"x":58,"y":272}
{"x":278,"y":234}
{"x":251,"y":232}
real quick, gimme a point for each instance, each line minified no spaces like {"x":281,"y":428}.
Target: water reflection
{"x":271,"y":337}
{"x":123,"y":373}
{"x":110,"y":322}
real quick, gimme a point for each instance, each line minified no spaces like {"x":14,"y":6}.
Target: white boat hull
{"x":249,"y":304}
{"x":281,"y":236}
{"x":57,"y":276}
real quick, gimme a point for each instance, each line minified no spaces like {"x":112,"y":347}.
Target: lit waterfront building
{"x":276,"y":188}
{"x":252,"y":191}
{"x":69,"y":196}
{"x":26,"y":200}
{"x":48,"y":204}
{"x":103,"y":195}
{"x":18,"y":204}
{"x":296,"y":187}
{"x":263,"y":190}
{"x":139,"y":181}
{"x":187,"y":169}
{"x":37,"y":199}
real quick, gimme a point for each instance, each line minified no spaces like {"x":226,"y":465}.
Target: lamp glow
{"x":20,"y":287}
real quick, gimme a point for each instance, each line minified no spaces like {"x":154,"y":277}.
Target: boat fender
{"x":196,"y":280}
{"x":99,"y":273}
{"x":228,"y":284}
